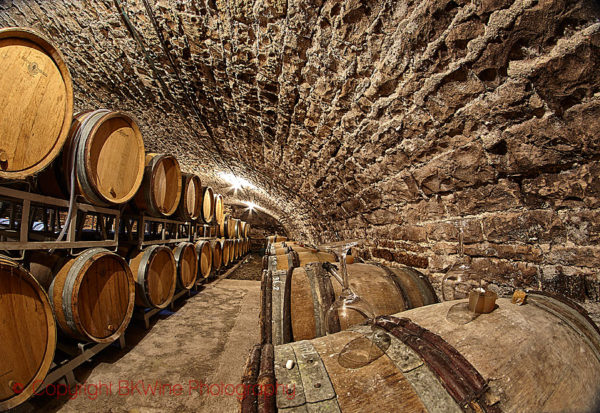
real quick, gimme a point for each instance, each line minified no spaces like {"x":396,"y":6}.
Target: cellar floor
{"x":170,"y":367}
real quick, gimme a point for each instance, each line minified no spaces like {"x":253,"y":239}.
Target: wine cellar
{"x":299,"y":206}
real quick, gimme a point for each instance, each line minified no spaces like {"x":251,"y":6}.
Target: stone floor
{"x":251,"y":270}
{"x":204,"y":342}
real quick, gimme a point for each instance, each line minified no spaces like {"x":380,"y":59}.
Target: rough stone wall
{"x":396,"y":121}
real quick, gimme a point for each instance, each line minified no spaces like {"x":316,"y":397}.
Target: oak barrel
{"x":190,"y":204}
{"x":219,"y":209}
{"x":237,"y":228}
{"x":104,"y":155}
{"x":221,"y":233}
{"x":36,"y":97}
{"x":43,"y":265}
{"x":27,"y":334}
{"x":231,"y":251}
{"x":93,"y":296}
{"x":298,"y":259}
{"x":301,"y":298}
{"x":272,"y":246}
{"x":155,"y":273}
{"x":229,"y":227}
{"x":217,"y":254}
{"x":223,"y":226}
{"x":187,"y":265}
{"x":240,"y":228}
{"x":275,"y":238}
{"x":225,"y":251}
{"x":204,"y":253}
{"x":208,"y":205}
{"x":279,"y":250}
{"x":161,"y":188}
{"x":238,"y":248}
{"x":543,"y":356}
{"x":294,"y":246}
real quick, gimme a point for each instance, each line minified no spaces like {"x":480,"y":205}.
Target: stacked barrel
{"x":283,"y":255}
{"x":89,"y":296}
{"x":94,"y":157}
{"x":234,"y":237}
{"x":416,"y":354}
{"x":300,"y":283}
{"x":420,"y":360}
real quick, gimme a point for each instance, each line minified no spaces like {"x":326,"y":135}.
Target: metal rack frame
{"x":202,"y":231}
{"x":79,"y":353}
{"x":171,"y":231}
{"x":21,"y":234}
{"x":145,"y":314}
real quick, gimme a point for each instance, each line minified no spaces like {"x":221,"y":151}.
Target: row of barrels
{"x":286,"y":255}
{"x":295,"y":301}
{"x":275,"y":238}
{"x":415,"y":356}
{"x":97,"y":155}
{"x":90,"y":297}
{"x":542,"y":356}
{"x":107,"y":173}
{"x":231,"y":228}
{"x":298,"y":289}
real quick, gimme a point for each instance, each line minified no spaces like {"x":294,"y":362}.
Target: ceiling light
{"x":236,"y":182}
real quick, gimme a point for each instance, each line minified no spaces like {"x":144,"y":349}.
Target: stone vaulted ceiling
{"x":395,"y":121}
